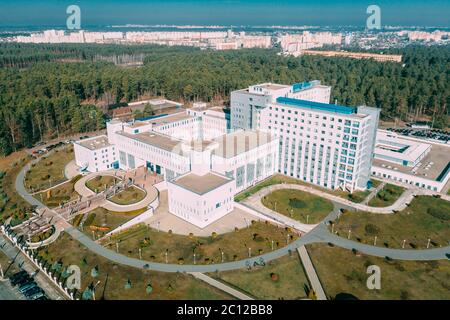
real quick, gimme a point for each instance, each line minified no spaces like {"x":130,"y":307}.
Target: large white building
{"x":207,"y":156}
{"x":320,"y":143}
{"x":203,"y":163}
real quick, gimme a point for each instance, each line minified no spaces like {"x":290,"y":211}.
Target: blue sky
{"x":224,"y":12}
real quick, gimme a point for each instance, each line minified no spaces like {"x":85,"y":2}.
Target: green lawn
{"x":289,"y":280}
{"x":258,"y":237}
{"x":114,"y":277}
{"x":343,"y":272}
{"x":425,"y":217}
{"x":43,"y":235}
{"x":128,"y":196}
{"x":102,"y":221}
{"x":49,"y":170}
{"x":101,"y":183}
{"x":299,"y":205}
{"x":357,"y":196}
{"x":62,"y":194}
{"x":386,"y":196}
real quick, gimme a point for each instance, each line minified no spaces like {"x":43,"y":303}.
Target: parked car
{"x":32,"y":291}
{"x":21,"y":280}
{"x":37,"y":296}
{"x":27,"y":286}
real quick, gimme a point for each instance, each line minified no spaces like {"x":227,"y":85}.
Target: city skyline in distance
{"x":27,"y":13}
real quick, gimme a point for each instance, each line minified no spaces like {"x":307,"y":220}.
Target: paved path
{"x":400,"y":204}
{"x":318,"y":234}
{"x":373,"y":193}
{"x":311,"y":273}
{"x":147,"y":184}
{"x":221,"y":286}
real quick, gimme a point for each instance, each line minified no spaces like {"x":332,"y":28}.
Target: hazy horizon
{"x":29,"y":13}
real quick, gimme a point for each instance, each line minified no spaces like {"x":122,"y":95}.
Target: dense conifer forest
{"x":46,"y":90}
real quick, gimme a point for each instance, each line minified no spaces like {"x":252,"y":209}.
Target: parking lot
{"x":432,"y":134}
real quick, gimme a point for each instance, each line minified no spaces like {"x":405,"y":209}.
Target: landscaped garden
{"x":299,"y":205}
{"x":118,"y":281}
{"x":59,"y":195}
{"x":343,"y":274}
{"x":101,"y":221}
{"x":128,"y":196}
{"x":101,"y":183}
{"x":357,"y":196}
{"x":258,"y":238}
{"x":49,"y":170}
{"x":283,"y":278}
{"x":425,"y":218}
{"x":386,"y":196}
{"x":43,"y":235}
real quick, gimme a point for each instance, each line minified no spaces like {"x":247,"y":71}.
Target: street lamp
{"x":349,"y":233}
{"x":272,"y":245}
{"x":307,"y":218}
{"x":249,"y":252}
{"x":403,"y":244}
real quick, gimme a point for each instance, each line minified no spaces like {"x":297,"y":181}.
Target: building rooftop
{"x":201,"y":184}
{"x":317,"y":106}
{"x":96,"y":143}
{"x":393,"y":146}
{"x":233,"y":144}
{"x":157,"y":140}
{"x":432,"y":166}
{"x":170,"y":118}
{"x":272,"y":86}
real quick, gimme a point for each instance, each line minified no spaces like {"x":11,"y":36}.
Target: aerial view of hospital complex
{"x":192,"y":151}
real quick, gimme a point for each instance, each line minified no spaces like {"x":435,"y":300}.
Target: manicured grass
{"x":43,"y":235}
{"x":375,"y":183}
{"x":55,"y":197}
{"x":104,"y":221}
{"x":180,"y":248}
{"x":113,"y":277}
{"x":101,"y":183}
{"x":357,"y":196}
{"x":128,"y":196}
{"x":386,"y":196}
{"x":11,"y":203}
{"x":426,"y":217}
{"x":49,"y":170}
{"x":289,"y":280}
{"x":342,"y":271}
{"x":299,"y":205}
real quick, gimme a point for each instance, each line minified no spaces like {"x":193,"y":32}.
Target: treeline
{"x":48,"y":98}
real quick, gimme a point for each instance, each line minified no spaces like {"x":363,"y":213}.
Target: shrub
{"x":274,"y":277}
{"x":439,"y":213}
{"x":372,"y":229}
{"x":297,"y":203}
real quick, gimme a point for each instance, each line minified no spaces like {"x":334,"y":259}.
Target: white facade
{"x":95,"y":154}
{"x":328,"y":145}
{"x":201,"y":200}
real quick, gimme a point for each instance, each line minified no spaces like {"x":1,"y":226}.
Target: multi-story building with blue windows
{"x":320,"y":143}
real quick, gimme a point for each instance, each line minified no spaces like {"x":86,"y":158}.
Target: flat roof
{"x":272,"y":86}
{"x":346,"y":110}
{"x":201,"y":184}
{"x":170,"y":118}
{"x":430,"y":167}
{"x":95,"y":143}
{"x":394,"y":146}
{"x":157,"y":140}
{"x":233,"y":144}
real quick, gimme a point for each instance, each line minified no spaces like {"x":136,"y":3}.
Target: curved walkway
{"x":318,"y":234}
{"x":407,"y":196}
{"x":85,"y":192}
